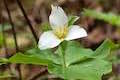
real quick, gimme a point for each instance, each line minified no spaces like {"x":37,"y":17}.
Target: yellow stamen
{"x":61,"y":32}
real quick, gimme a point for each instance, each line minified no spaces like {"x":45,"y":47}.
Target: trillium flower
{"x":60,"y":30}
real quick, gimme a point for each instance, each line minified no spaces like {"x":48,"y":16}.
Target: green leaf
{"x":79,"y":63}
{"x":89,"y":70}
{"x":73,"y":52}
{"x":3,"y":61}
{"x":75,"y":55}
{"x":45,"y":54}
{"x":104,"y":50}
{"x":107,"y":17}
{"x":28,"y":59}
{"x":72,"y":20}
{"x":56,"y":70}
{"x":70,"y":60}
{"x":46,"y":27}
{"x":5,"y":74}
{"x":36,"y":56}
{"x":1,"y":39}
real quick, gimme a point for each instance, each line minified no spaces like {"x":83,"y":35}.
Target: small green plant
{"x":69,"y":60}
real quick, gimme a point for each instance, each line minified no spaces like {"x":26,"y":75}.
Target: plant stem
{"x":63,"y":58}
{"x":27,"y":19}
{"x":64,"y":63}
{"x":12,"y":24}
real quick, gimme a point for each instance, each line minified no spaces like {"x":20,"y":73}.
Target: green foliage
{"x":104,"y":49}
{"x":5,"y":74}
{"x":87,"y":70}
{"x":70,"y":61}
{"x":6,"y":26}
{"x":45,"y":54}
{"x":28,"y":59}
{"x":77,"y":61}
{"x":45,"y":27}
{"x":1,"y":39}
{"x":3,"y":61}
{"x":72,"y":20}
{"x":107,"y":17}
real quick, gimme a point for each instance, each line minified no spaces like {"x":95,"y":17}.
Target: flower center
{"x":61,"y":32}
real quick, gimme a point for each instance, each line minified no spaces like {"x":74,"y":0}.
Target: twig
{"x":12,"y":24}
{"x":28,"y":21}
{"x":40,"y":74}
{"x":13,"y":30}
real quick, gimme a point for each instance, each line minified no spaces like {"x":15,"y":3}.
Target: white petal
{"x":76,"y":32}
{"x":57,"y":17}
{"x":48,"y":40}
